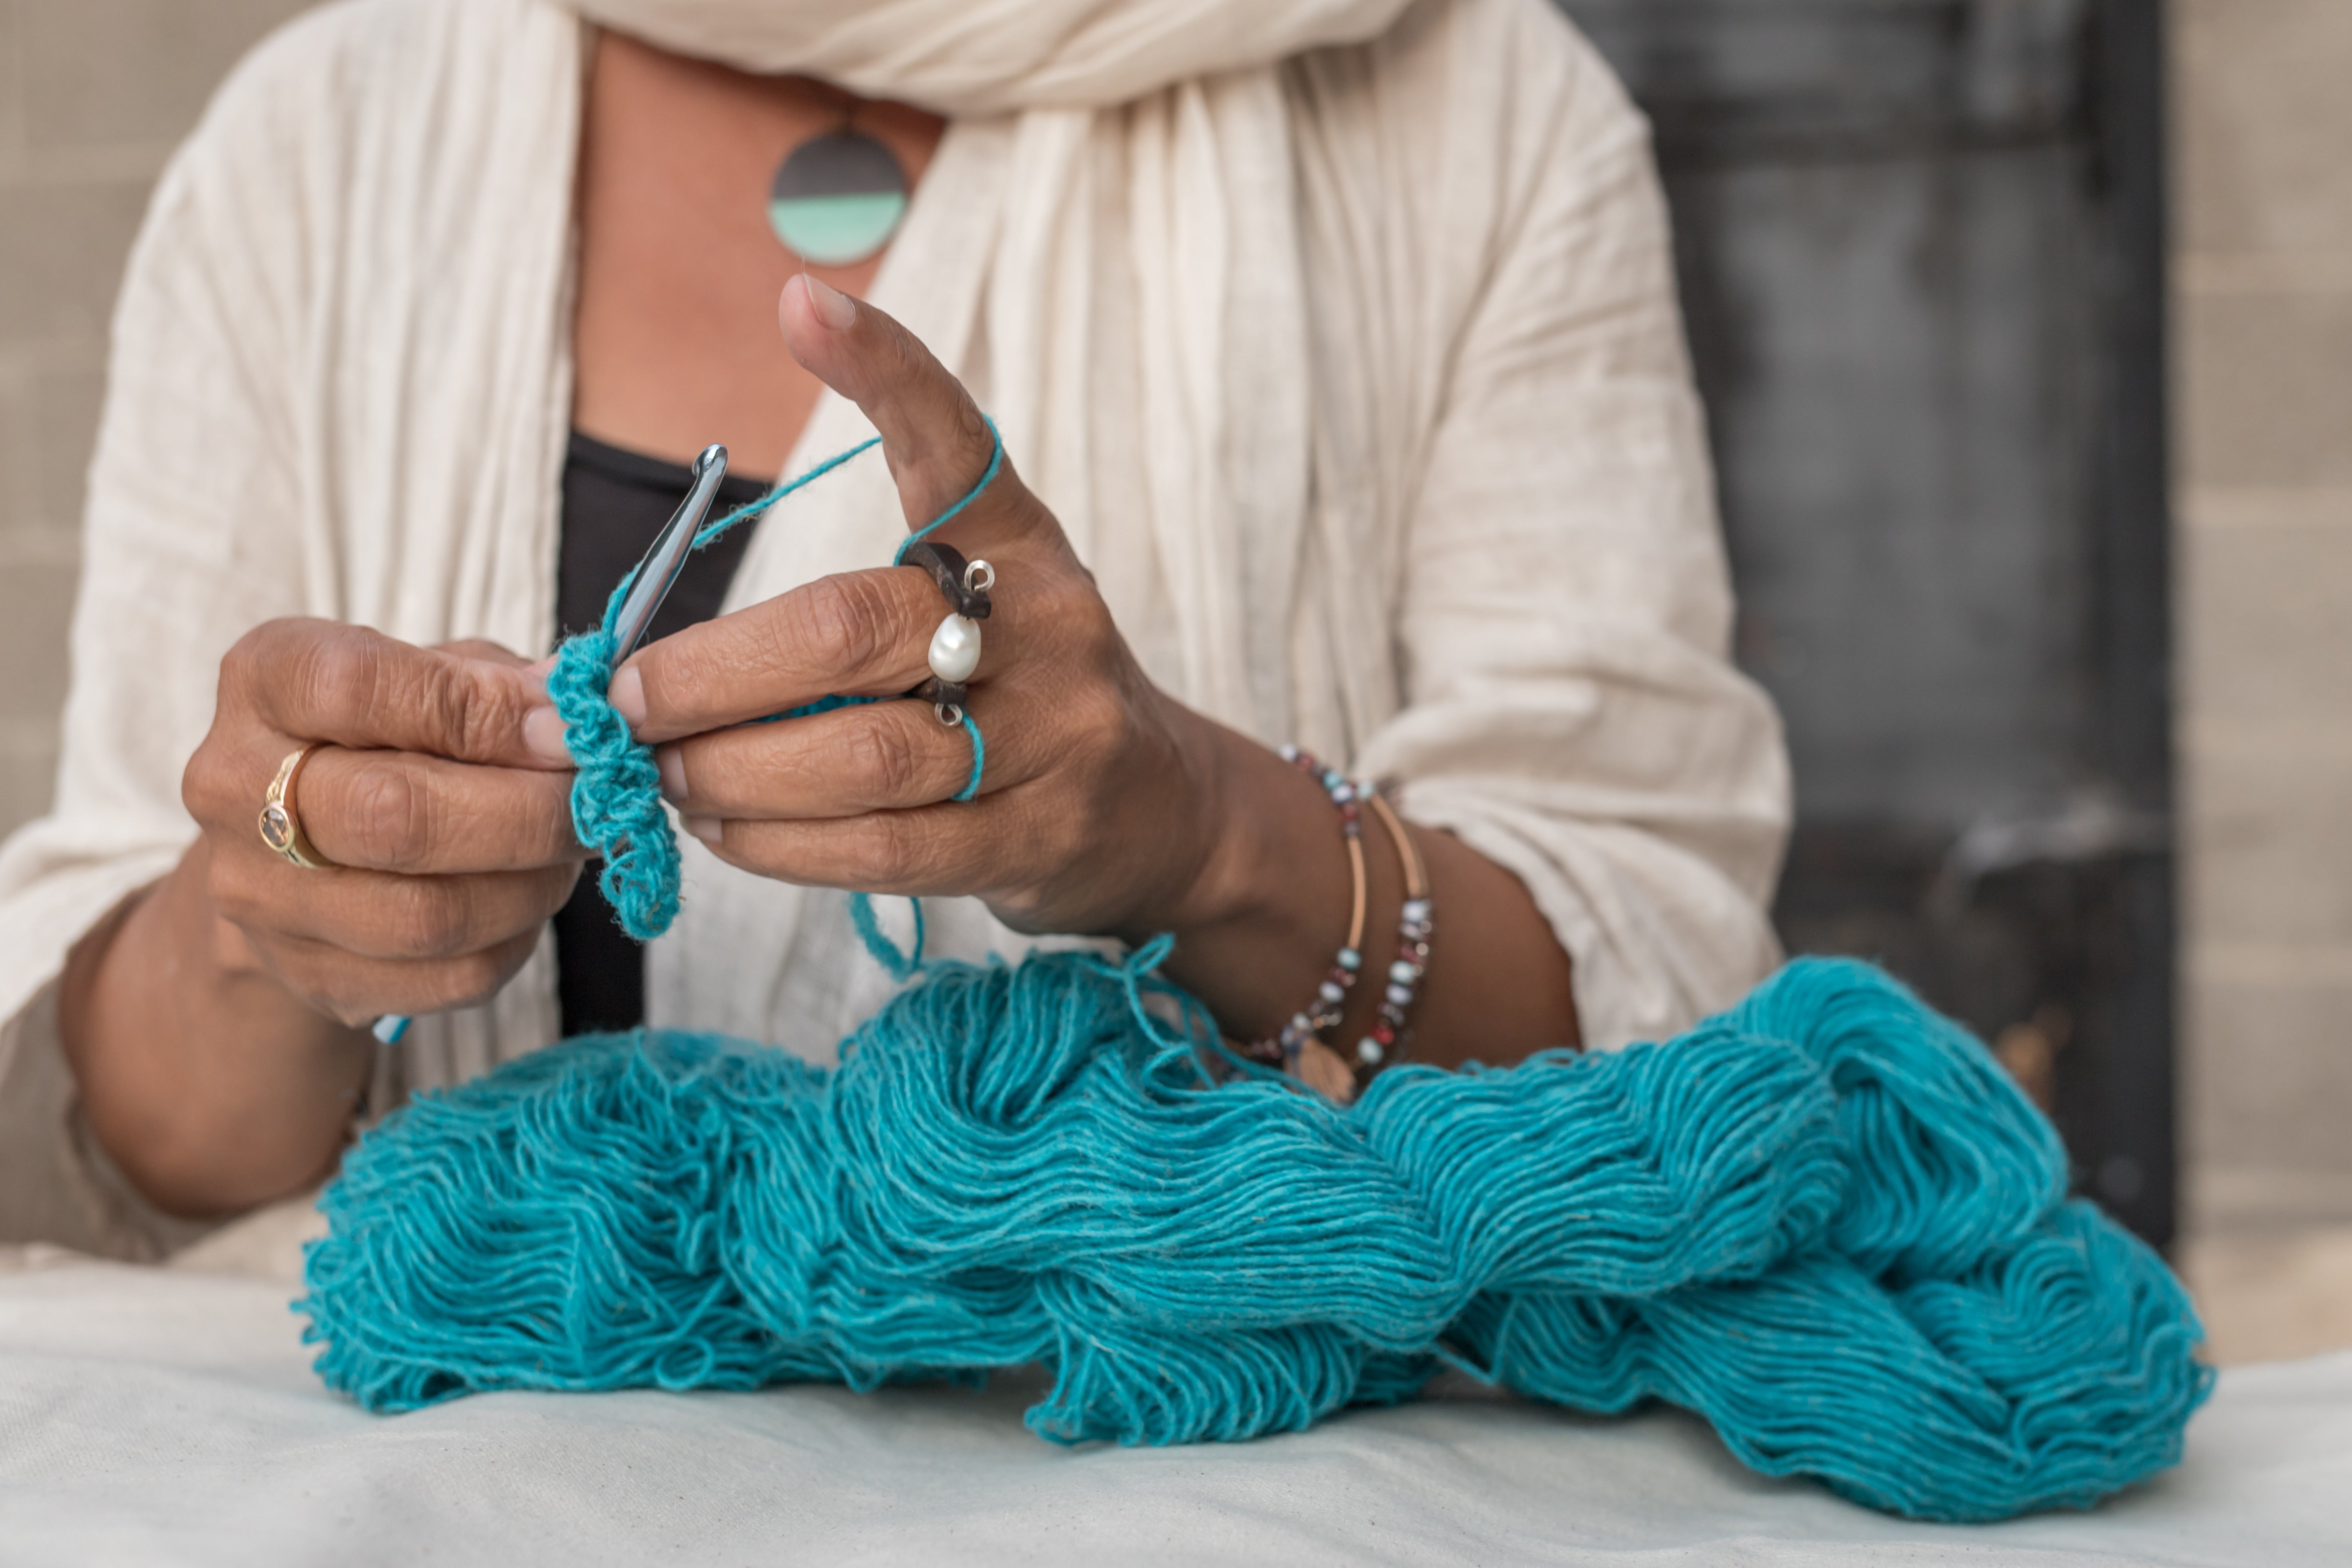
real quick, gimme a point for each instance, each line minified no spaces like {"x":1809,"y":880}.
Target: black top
{"x":614,"y":503}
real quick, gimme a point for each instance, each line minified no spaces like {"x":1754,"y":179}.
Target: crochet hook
{"x":655,"y":574}
{"x":649,"y":585}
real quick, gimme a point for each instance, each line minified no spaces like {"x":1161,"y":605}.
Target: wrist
{"x":210,"y":1086}
{"x":1253,"y":807}
{"x":1265,"y":903}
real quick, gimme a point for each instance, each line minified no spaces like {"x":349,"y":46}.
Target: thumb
{"x":936,"y":444}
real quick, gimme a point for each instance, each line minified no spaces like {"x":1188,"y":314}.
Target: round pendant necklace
{"x":837,"y":198}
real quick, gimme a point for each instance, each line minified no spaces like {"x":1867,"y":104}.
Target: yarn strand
{"x":987,"y":475}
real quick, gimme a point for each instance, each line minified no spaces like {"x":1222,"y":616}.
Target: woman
{"x":1344,"y":402}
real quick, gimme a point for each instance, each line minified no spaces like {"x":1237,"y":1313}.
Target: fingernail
{"x":833,"y":308}
{"x":709,"y":829}
{"x":627,"y":693}
{"x":542,"y":732}
{"x":673,"y":773}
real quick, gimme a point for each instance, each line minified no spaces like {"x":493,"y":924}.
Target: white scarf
{"x":989,"y":56}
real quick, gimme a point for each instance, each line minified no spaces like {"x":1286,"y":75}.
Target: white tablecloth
{"x":154,"y":1416}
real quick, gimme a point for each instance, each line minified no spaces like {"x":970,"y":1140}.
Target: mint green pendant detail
{"x":837,"y":199}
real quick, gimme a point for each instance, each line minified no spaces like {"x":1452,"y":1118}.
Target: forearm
{"x":1257,"y":932}
{"x":211,"y":1088}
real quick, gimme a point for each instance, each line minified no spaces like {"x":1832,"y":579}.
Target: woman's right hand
{"x":213,"y":1026}
{"x":441,"y":795}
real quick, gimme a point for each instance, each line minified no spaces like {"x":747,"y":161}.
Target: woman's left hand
{"x":1098,"y":809}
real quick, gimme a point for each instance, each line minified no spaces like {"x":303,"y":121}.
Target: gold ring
{"x":281,"y":823}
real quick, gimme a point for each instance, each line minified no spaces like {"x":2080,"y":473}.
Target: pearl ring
{"x":954,"y":653}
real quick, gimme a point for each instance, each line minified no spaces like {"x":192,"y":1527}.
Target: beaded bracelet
{"x":1331,"y":998}
{"x":1388,"y":1037}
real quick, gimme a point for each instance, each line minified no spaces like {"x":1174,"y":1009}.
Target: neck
{"x":675,"y":339}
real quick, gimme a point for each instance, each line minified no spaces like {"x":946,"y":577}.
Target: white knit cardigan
{"x":1339,"y":335}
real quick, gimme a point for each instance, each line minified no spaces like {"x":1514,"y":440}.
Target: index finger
{"x":322,"y":681}
{"x":855,"y":633}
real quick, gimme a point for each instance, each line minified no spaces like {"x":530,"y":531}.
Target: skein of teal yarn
{"x":1822,"y":1220}
{"x":1962,"y":1163}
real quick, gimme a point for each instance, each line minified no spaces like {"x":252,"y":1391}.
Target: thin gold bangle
{"x":1356,"y":909}
{"x":1306,"y":1027}
{"x":1416,"y":876}
{"x":1400,"y":977}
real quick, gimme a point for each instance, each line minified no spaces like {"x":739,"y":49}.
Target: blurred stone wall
{"x":1920,"y":246}
{"x":93,"y":96}
{"x":2262,"y":171}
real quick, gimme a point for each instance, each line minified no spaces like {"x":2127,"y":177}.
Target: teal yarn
{"x":987,"y":477}
{"x":971,"y":790}
{"x":749,"y":510}
{"x":616,"y":805}
{"x":897,"y":964}
{"x":1824,"y":1220}
{"x":616,"y":808}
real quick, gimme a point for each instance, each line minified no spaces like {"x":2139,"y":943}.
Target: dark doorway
{"x":1921,"y":251}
